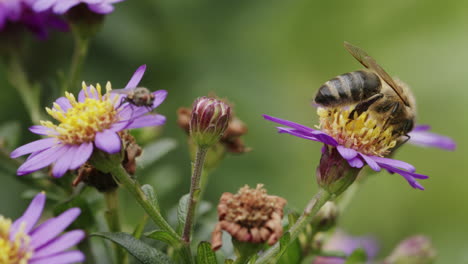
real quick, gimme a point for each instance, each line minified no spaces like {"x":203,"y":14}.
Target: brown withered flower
{"x":231,"y":139}
{"x":249,"y":216}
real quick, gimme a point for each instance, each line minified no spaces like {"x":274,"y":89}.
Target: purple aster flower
{"x":340,"y":241}
{"x":359,"y":141}
{"x":92,"y":121}
{"x":24,"y":242}
{"x":62,"y":6}
{"x":21,"y":12}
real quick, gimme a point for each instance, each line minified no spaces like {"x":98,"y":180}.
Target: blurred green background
{"x":269,"y":57}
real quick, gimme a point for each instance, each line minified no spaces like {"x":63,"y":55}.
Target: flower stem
{"x":274,"y":253}
{"x":29,"y":94}
{"x":194,"y":195}
{"x":113,"y":221}
{"x":134,"y":188}
{"x":79,"y":54}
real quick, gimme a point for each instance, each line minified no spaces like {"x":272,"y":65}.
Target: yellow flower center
{"x":83,"y":120}
{"x":16,"y":251}
{"x":363,"y":133}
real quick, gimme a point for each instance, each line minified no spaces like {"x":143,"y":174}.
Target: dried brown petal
{"x":251,"y":215}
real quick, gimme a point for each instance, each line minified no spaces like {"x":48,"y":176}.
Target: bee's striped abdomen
{"x":348,"y":88}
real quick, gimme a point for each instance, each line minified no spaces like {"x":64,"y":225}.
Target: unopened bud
{"x":326,"y":217}
{"x":413,"y":250}
{"x":209,"y":120}
{"x":334,"y":173}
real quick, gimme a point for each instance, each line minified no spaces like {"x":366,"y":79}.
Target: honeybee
{"x":372,"y":90}
{"x":138,"y":96}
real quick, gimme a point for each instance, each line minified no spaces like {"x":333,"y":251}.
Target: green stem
{"x":30,"y":96}
{"x":79,"y":55}
{"x":194,"y":195}
{"x":134,"y":188}
{"x":113,"y":221}
{"x":274,"y":253}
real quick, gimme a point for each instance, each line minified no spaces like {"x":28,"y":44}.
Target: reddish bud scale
{"x":209,"y":120}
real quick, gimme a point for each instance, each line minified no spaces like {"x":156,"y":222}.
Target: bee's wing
{"x":370,"y":63}
{"x":122,"y":91}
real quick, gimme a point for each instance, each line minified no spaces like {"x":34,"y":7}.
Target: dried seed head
{"x":249,"y":216}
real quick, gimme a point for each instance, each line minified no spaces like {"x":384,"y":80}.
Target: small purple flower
{"x":24,"y":242}
{"x":92,"y":121}
{"x":340,"y":241}
{"x":21,"y":12}
{"x":353,"y":154}
{"x":62,"y":6}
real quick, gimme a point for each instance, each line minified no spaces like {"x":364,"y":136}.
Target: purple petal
{"x":52,"y":227}
{"x":63,"y":162}
{"x":41,"y":160}
{"x":429,"y":139}
{"x":119,"y":126}
{"x":34,"y":146}
{"x":356,"y":162}
{"x":159,"y":97}
{"x":346,"y":153}
{"x":30,"y":216}
{"x":63,"y":6}
{"x":136,"y":78}
{"x":59,"y":244}
{"x":310,"y":135}
{"x":82,"y":154}
{"x":419,"y":128}
{"x":64,"y":103}
{"x":61,"y":258}
{"x":147,"y":120}
{"x":42,"y":5}
{"x":370,"y":162}
{"x":108,"y":141}
{"x":101,"y":8}
{"x":287,"y":123}
{"x":42,"y":130}
{"x":394,"y":163}
{"x":409,"y":176}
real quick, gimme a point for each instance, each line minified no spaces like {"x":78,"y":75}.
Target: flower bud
{"x":209,"y":120}
{"x":413,"y":250}
{"x":326,"y":217}
{"x":334,"y":173}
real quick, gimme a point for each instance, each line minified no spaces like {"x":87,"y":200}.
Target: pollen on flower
{"x":81,"y":122}
{"x":16,"y":250}
{"x":362,"y":133}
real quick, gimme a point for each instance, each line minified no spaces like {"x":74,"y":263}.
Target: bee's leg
{"x":123,"y":101}
{"x":364,"y":105}
{"x":394,"y":108}
{"x":401,"y":143}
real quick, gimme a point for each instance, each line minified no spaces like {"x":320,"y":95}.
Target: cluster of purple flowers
{"x":41,"y":15}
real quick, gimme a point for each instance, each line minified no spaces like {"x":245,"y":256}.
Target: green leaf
{"x":162,"y":236}
{"x":182,"y":209}
{"x":358,"y":256}
{"x":205,"y":255}
{"x":149,"y":192}
{"x":153,"y":152}
{"x":228,"y":261}
{"x":141,"y":251}
{"x":292,"y":254}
